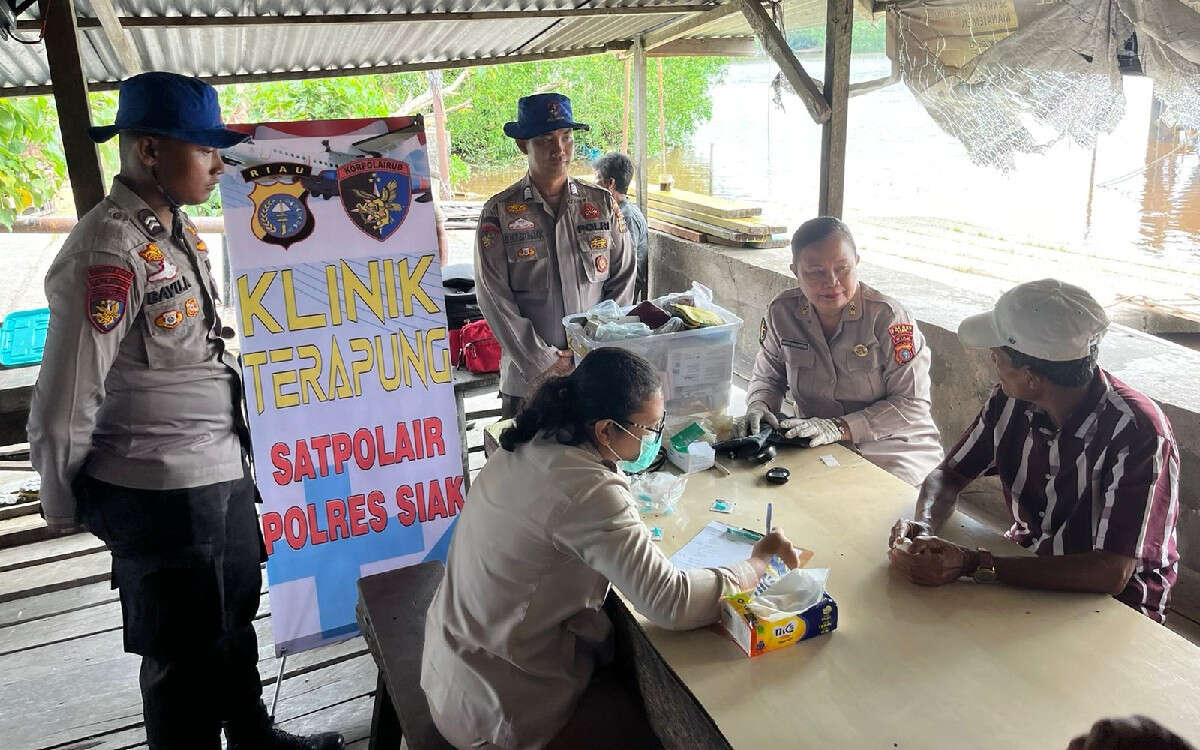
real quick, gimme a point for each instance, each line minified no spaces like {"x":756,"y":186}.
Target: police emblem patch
{"x":554,"y":111}
{"x":149,"y":221}
{"x":107,"y":296}
{"x":191,"y":307}
{"x":376,"y":194}
{"x":598,"y":243}
{"x":520,"y":224}
{"x":601,"y":263}
{"x":158,"y":266}
{"x":488,"y":231}
{"x":762,"y":330}
{"x":903,"y":347}
{"x":281,"y":214}
{"x":590,"y":212}
{"x":169,"y":319}
{"x":516,"y":208}
{"x":526,"y":253}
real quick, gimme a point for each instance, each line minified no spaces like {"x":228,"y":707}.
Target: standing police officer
{"x":548,"y":246}
{"x":137,"y":431}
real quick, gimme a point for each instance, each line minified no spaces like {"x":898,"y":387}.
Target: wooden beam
{"x":322,"y":19}
{"x":777,"y":47}
{"x":685,"y":26}
{"x":117,"y":37}
{"x":71,"y":101}
{"x":839,"y":28}
{"x":735,"y":46}
{"x":443,"y":136}
{"x":301,"y":75}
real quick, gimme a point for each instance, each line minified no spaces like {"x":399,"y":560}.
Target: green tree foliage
{"x":596,"y":87}
{"x":476,"y":113}
{"x":869,"y":36}
{"x":32,"y":167}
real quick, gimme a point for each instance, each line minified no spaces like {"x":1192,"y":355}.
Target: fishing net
{"x":1007,"y":77}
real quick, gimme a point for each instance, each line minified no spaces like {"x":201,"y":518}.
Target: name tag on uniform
{"x":794,"y":344}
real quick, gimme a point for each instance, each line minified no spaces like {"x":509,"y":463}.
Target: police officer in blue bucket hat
{"x":548,"y":246}
{"x":137,"y":426}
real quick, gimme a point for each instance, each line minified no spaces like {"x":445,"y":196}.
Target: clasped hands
{"x":926,"y":559}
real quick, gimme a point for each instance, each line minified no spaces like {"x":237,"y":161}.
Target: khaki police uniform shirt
{"x":873,"y":373}
{"x":534,"y":267}
{"x":516,"y":627}
{"x":136,"y":387}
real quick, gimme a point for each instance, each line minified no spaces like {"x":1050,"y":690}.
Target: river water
{"x":1144,"y":198}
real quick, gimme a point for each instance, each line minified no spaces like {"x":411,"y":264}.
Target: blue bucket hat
{"x":171,"y":105}
{"x":542,"y":113}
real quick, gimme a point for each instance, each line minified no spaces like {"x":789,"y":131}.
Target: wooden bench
{"x":391,"y":612}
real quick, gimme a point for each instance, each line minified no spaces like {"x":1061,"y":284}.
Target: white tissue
{"x":795,"y":592}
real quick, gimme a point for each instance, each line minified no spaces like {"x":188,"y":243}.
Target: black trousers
{"x":186,"y":563}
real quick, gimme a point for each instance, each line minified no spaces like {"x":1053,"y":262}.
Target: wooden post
{"x":777,"y":47}
{"x":839,"y":27}
{"x":625,"y":115}
{"x":71,"y":102}
{"x":639,"y":120}
{"x":662,"y":122}
{"x":443,"y":139}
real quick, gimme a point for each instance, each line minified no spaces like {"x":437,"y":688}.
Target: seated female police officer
{"x":854,"y":360}
{"x":515,"y":633}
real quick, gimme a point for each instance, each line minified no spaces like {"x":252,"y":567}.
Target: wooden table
{"x":965,"y":665}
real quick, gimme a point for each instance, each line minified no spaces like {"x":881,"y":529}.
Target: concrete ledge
{"x":744,"y":281}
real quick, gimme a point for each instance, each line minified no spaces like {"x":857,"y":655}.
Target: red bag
{"x":455,"y":346}
{"x":480,"y":349}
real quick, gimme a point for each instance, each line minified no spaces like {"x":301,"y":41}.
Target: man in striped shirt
{"x":1089,"y":466}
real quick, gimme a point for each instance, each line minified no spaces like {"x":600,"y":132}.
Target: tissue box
{"x":757,"y":636}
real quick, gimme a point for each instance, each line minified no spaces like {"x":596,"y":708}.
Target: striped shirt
{"x":1108,"y":480}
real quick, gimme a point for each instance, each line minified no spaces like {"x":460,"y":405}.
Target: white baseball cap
{"x":1047,"y":319}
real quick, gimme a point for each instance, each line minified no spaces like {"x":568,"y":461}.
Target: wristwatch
{"x":985,"y":571}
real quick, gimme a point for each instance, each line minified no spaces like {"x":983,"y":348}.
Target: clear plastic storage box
{"x":696,"y":366}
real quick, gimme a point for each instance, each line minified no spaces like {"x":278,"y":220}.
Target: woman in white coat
{"x":515,"y":638}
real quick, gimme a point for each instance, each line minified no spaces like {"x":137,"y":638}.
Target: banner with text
{"x":345,"y":360}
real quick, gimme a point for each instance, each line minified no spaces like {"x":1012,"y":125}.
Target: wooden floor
{"x":65,"y":681}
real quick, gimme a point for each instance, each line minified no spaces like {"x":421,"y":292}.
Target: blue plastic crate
{"x":23,"y":337}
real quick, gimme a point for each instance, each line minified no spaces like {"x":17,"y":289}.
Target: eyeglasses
{"x":657,"y":429}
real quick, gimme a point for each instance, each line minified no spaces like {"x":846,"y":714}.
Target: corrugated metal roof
{"x":290,"y":48}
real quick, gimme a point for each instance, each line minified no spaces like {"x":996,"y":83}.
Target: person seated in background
{"x":1138,"y":732}
{"x":614,"y":172}
{"x":1089,"y":466}
{"x":853,"y":359}
{"x":515,"y":637}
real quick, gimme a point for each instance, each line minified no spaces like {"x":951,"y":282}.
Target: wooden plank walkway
{"x":67,"y":684}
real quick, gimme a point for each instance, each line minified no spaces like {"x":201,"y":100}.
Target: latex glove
{"x":751,"y":424}
{"x":819,"y":430}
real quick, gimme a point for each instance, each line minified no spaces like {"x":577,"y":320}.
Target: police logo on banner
{"x":376,"y":194}
{"x":281,"y":214}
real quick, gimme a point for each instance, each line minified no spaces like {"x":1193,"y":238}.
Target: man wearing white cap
{"x":1089,"y":466}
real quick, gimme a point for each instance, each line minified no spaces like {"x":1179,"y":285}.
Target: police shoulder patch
{"x":107,"y":296}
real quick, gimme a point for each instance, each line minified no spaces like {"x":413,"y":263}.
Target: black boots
{"x":256,"y":732}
